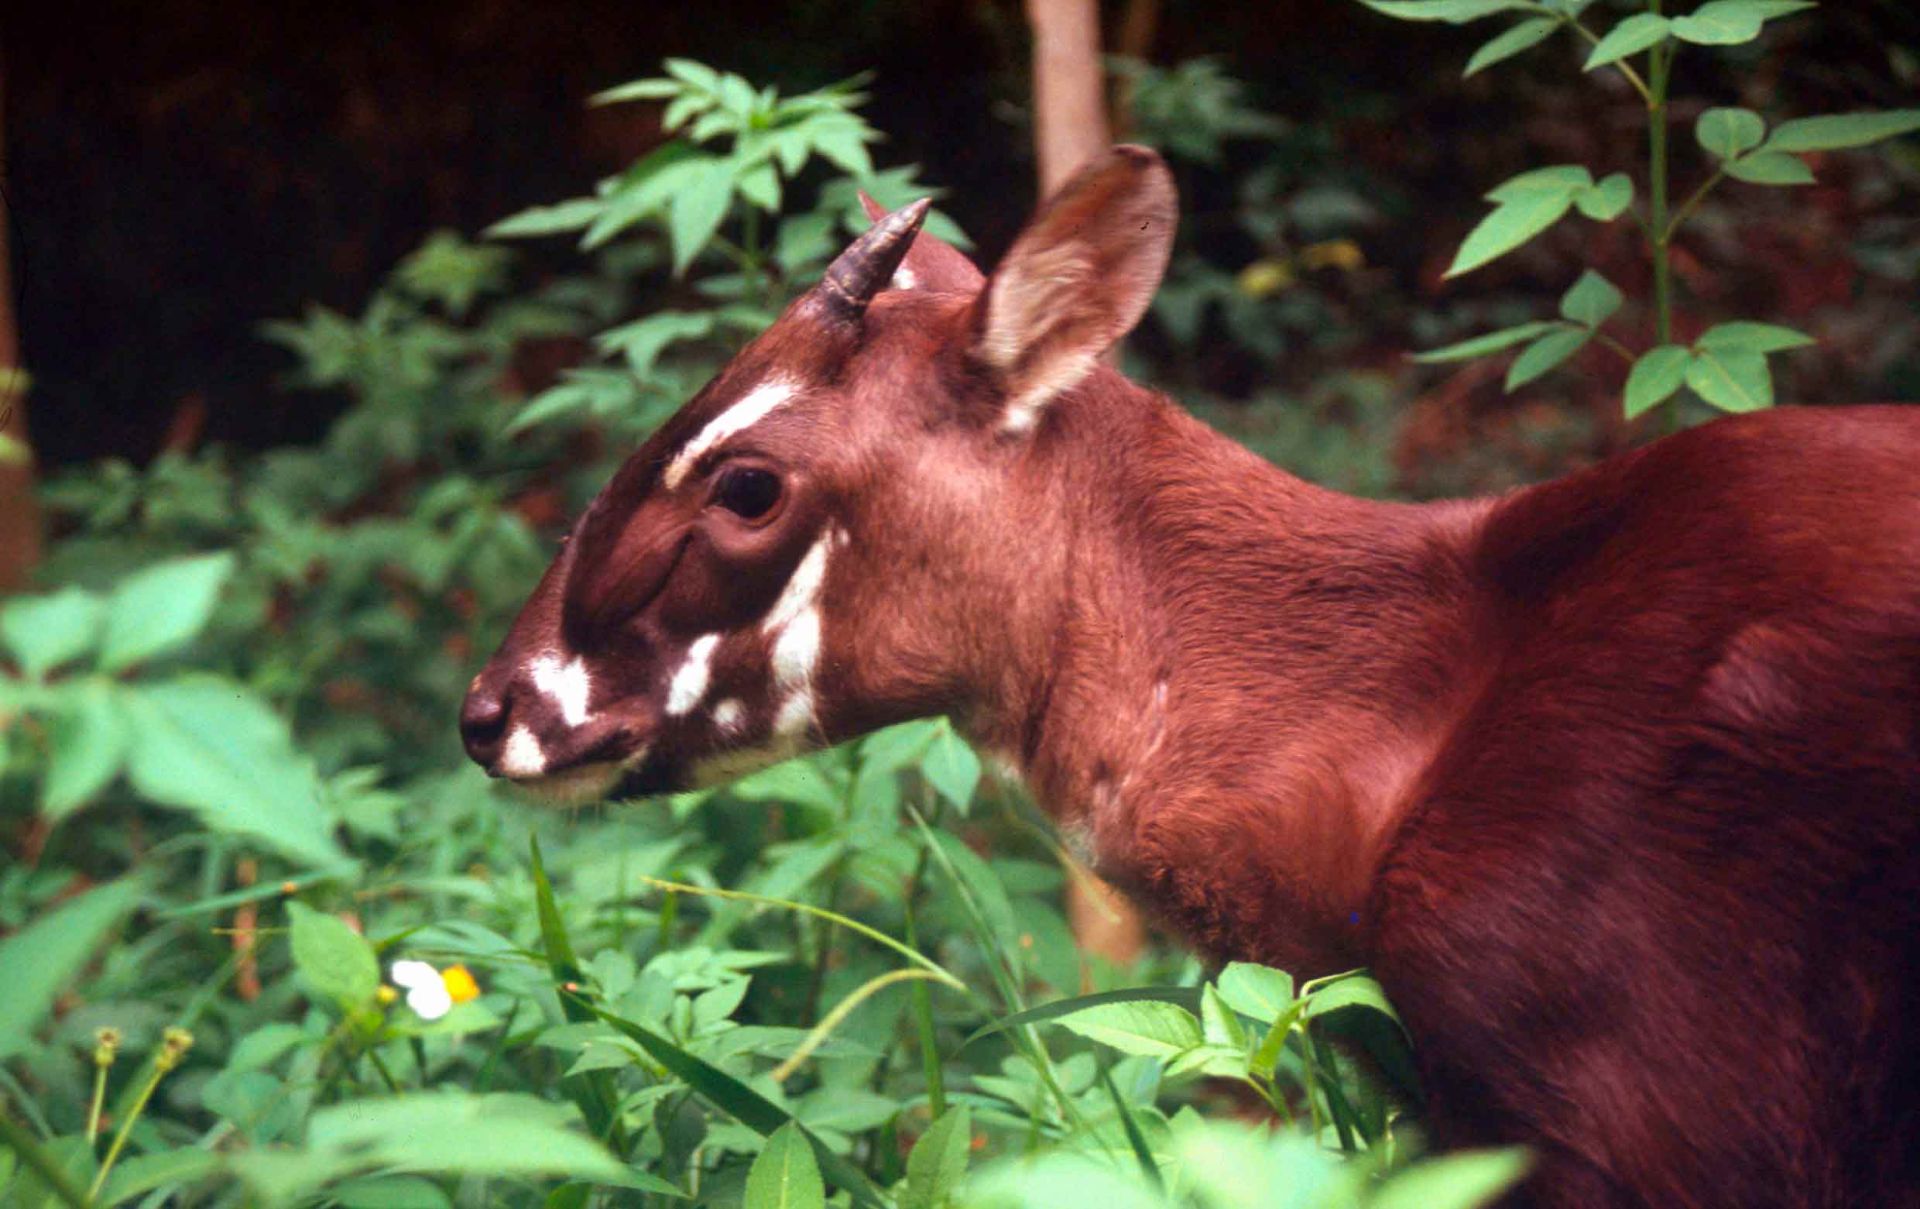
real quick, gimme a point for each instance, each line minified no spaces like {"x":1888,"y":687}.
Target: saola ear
{"x":1077,"y":279}
{"x":932,"y":263}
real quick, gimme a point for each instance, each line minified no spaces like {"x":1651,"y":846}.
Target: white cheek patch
{"x":796,"y":714}
{"x":567,"y":683}
{"x":803,"y":588}
{"x":752,"y":408}
{"x":797,"y":650}
{"x":729,"y":716}
{"x":522,"y":756}
{"x":690,"y":681}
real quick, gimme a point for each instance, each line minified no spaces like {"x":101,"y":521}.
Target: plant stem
{"x":154,"y":1076}
{"x":99,"y":1098}
{"x":1626,"y":68}
{"x":923,"y":1012}
{"x":1660,"y":225}
{"x":30,"y":1152}
{"x":1693,"y":203}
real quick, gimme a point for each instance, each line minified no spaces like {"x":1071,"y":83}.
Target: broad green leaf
{"x":1842,"y":130}
{"x":1770,"y":168}
{"x":1553,"y":180}
{"x":45,"y":955}
{"x":1492,"y":342}
{"x":1592,"y":301}
{"x":161,"y":608}
{"x":951,"y":768}
{"x":87,"y":747}
{"x":1730,"y":22}
{"x":1547,"y":353}
{"x":1153,"y":1030}
{"x":1733,"y":380}
{"x":1348,"y":991}
{"x":1187,"y":997}
{"x":1606,"y":200}
{"x":785,"y":1175}
{"x":1220,"y":1024}
{"x":938,"y":1160}
{"x":638,"y":90}
{"x":460,"y":1134}
{"x":572,"y":215}
{"x":1728,"y":133}
{"x":1633,"y":35}
{"x":1462,"y":1180}
{"x":44,"y":632}
{"x":336,"y":963}
{"x":208,"y":745}
{"x":144,"y":1173}
{"x":1521,"y":38}
{"x":642,"y":341}
{"x":697,"y":210}
{"x":1656,"y":375}
{"x":71,"y":1155}
{"x":1742,"y":336}
{"x":593,"y":1092}
{"x":1509,"y":226}
{"x":1453,"y":12}
{"x":1258,"y":991}
{"x":761,"y":186}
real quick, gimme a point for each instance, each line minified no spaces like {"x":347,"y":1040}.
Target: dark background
{"x":179,"y":172}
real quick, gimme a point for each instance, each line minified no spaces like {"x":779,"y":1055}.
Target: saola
{"x":1614,"y":782}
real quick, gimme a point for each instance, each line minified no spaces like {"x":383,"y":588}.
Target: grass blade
{"x":594,"y":1091}
{"x":1135,"y":1139}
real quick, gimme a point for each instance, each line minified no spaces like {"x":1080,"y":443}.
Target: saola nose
{"x":483,"y":724}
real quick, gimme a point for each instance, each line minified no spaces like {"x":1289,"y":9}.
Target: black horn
{"x":861,"y":271}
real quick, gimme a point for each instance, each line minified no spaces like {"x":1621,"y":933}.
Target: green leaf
{"x":1492,"y":342}
{"x":334,"y":962}
{"x":1453,"y":12}
{"x":1553,"y":180}
{"x":574,"y":214}
{"x":785,"y":1175}
{"x":1731,"y":22}
{"x":592,"y":1091}
{"x":1769,"y":168}
{"x":761,"y":186}
{"x":939,"y":1160}
{"x":1592,"y":301}
{"x":638,"y":90}
{"x":1753,"y":338}
{"x":72,"y":1156}
{"x":1607,"y":200}
{"x":1838,"y":131}
{"x":87,"y":747}
{"x":1462,"y":1180}
{"x":1257,"y":991}
{"x":1656,"y":375}
{"x":642,"y":341}
{"x":43,"y":957}
{"x":696,"y":211}
{"x":146,"y":1172}
{"x":161,"y":608}
{"x":1509,"y":226}
{"x":951,"y":768}
{"x":1186,"y":997}
{"x":1633,"y":35}
{"x":460,"y":1134}
{"x":208,"y":745}
{"x":1735,"y":380}
{"x":44,"y":632}
{"x":1220,"y":1024}
{"x":1521,"y":38}
{"x":1147,"y":1028}
{"x":1545,"y":355}
{"x":1729,"y":133}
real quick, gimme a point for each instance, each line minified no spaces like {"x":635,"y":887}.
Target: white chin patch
{"x":523,"y":756}
{"x":576,"y":786}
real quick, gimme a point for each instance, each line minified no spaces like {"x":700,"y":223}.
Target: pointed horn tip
{"x":907,"y":217}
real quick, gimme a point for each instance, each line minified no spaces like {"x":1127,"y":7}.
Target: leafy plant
{"x":1726,"y":365}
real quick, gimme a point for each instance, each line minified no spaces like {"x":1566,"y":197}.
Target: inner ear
{"x":1077,"y":279}
{"x":931,"y":263}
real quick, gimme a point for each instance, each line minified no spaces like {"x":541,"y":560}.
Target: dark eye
{"x":747,"y":491}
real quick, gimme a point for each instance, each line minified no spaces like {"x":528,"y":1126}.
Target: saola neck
{"x":1248,"y":674}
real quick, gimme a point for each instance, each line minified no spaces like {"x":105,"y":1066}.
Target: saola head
{"x":844,"y":528}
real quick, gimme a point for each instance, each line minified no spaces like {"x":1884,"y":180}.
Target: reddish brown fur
{"x":1614,"y":781}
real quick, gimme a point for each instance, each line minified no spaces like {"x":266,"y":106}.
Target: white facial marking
{"x":803,"y":588}
{"x":797,"y":650}
{"x":752,"y":408}
{"x":729,"y":715}
{"x":690,"y":681}
{"x":567,"y":683}
{"x":522,"y":756}
{"x":796,"y":714}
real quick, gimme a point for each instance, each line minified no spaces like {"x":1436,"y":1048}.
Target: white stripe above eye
{"x":567,"y":683}
{"x":752,"y":408}
{"x":690,"y":681}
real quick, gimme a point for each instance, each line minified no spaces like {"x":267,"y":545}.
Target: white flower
{"x":427,"y":992}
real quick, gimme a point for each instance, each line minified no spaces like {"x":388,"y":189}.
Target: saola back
{"x":1612,"y":781}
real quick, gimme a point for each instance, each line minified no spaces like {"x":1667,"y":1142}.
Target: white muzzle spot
{"x":522,"y":757}
{"x":568,"y":684}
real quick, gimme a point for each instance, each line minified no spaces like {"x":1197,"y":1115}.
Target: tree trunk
{"x":19,"y":511}
{"x":1070,"y":128}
